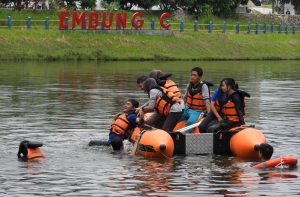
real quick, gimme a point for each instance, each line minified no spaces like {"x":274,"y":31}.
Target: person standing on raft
{"x":164,"y":103}
{"x":196,"y":98}
{"x":231,"y":110}
{"x":122,"y":124}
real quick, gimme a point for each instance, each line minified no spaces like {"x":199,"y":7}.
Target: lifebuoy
{"x":290,"y":161}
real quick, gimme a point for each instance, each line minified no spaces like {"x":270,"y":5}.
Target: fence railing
{"x":256,"y":27}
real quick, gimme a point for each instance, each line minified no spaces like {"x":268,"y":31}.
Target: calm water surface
{"x":65,"y":105}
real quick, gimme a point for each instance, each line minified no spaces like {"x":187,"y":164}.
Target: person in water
{"x":123,"y":124}
{"x":164,"y":103}
{"x":265,"y":151}
{"x":231,"y":110}
{"x":196,"y":98}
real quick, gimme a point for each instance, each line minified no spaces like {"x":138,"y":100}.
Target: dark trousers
{"x":209,"y":120}
{"x":216,"y":126}
{"x":171,"y":120}
{"x":166,"y":123}
{"x":211,"y":125}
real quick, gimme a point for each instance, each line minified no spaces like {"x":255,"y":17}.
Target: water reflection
{"x":65,"y":105}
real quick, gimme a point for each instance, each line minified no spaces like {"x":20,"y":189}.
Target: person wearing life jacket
{"x":164,"y":81}
{"x":164,"y":103}
{"x":213,"y":116}
{"x":123,"y":124}
{"x":197,"y":99}
{"x":231,"y":112}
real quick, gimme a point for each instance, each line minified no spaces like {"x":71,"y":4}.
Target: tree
{"x":225,"y":8}
{"x":296,"y":4}
{"x":278,"y":5}
{"x":88,"y":4}
{"x":147,"y":4}
{"x":244,"y":2}
{"x":168,"y":4}
{"x":123,"y":4}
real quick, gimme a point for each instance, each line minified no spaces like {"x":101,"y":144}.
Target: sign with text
{"x":90,"y":20}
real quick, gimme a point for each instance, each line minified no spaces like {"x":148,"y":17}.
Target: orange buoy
{"x":29,"y":150}
{"x":284,"y":161}
{"x":242,"y":143}
{"x":154,"y":143}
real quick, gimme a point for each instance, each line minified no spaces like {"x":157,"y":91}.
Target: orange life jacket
{"x":195,"y":101}
{"x":171,"y":86}
{"x":242,"y":95}
{"x":164,"y":103}
{"x":29,"y":150}
{"x":228,"y":110}
{"x":120,"y":125}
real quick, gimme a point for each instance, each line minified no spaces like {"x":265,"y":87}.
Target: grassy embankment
{"x":38,"y":44}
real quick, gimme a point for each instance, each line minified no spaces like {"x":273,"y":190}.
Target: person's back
{"x":164,"y":81}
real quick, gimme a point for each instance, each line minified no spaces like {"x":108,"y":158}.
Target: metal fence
{"x":267,"y":26}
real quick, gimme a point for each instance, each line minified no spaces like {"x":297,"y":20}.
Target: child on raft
{"x":123,"y":124}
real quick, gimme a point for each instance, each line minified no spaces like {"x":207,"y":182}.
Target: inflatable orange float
{"x":243,"y":142}
{"x":281,"y":161}
{"x":153,"y":142}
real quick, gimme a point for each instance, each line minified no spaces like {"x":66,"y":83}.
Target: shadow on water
{"x":65,"y":105}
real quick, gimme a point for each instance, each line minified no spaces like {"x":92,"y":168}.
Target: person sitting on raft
{"x":164,"y":103}
{"x":123,"y":123}
{"x":197,"y":98}
{"x":231,"y":112}
{"x":213,"y":116}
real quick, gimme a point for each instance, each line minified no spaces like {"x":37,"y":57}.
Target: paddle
{"x":191,"y":126}
{"x":136,"y":143}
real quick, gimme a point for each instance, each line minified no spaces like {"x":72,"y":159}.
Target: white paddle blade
{"x":191,"y":126}
{"x":188,"y":127}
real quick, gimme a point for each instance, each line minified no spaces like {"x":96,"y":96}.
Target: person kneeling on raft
{"x":164,"y":103}
{"x":197,"y":98}
{"x":123,"y":124}
{"x":229,"y":112}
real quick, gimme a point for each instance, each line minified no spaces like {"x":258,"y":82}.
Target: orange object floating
{"x":154,"y":143}
{"x":284,"y":161}
{"x":242,"y":143}
{"x":29,"y":150}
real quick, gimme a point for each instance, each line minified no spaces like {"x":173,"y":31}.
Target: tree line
{"x":224,"y":8}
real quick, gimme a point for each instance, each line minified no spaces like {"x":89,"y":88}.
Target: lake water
{"x":67,"y":104}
